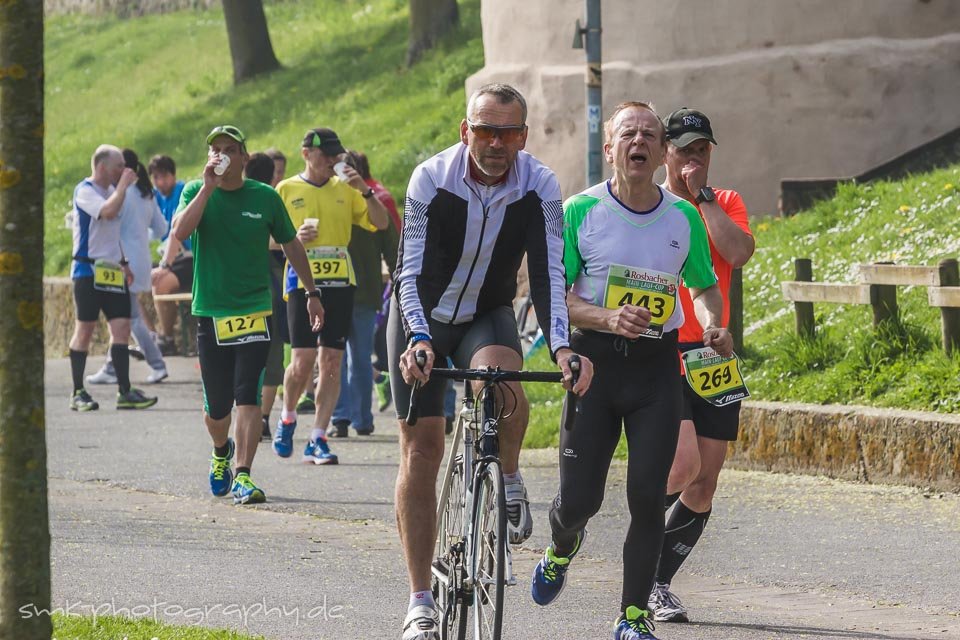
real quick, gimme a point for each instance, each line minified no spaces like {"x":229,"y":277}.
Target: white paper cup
{"x":339,"y":169}
{"x":312,"y":222}
{"x":222,"y":166}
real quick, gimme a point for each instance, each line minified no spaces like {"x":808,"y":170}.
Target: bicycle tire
{"x":489,"y":552}
{"x":449,"y":560}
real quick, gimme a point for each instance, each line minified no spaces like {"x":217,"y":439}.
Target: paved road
{"x":784,"y":556}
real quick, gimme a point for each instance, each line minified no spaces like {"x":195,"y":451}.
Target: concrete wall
{"x":810,"y":88}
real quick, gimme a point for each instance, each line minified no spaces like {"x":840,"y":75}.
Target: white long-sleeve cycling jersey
{"x":463,"y":243}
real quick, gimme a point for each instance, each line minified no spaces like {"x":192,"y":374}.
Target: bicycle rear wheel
{"x":448,"y":565}
{"x":489,"y":552}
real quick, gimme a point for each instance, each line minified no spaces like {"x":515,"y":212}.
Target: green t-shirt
{"x":231,"y":259}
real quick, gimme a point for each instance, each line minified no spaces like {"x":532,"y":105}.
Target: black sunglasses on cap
{"x":226,"y":130}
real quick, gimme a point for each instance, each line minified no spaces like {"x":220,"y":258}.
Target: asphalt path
{"x":135,"y":531}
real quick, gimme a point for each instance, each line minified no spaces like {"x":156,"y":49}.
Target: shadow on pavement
{"x":806,"y":632}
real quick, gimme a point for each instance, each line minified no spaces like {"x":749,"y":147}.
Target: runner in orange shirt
{"x":705,"y":429}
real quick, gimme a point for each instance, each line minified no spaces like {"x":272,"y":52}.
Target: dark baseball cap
{"x":324,"y":139}
{"x":686,"y":125}
{"x":226,"y":130}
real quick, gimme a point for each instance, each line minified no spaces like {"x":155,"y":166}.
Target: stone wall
{"x":809,"y":89}
{"x":59,"y":317}
{"x":851,"y":443}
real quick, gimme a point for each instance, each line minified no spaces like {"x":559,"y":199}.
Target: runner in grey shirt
{"x":140,"y":218}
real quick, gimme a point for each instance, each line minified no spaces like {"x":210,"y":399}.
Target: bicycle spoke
{"x":488,"y":559}
{"x":449,"y":557}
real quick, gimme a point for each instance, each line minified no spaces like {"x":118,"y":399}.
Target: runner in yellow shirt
{"x":323,"y":206}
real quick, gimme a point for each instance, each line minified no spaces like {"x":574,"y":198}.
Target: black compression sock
{"x":120,"y":354}
{"x":682,"y":533}
{"x":221,"y":452}
{"x":78,"y":362}
{"x":671,"y":498}
{"x":245,"y":470}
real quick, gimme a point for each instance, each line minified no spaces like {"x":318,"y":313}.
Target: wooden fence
{"x":877,"y":287}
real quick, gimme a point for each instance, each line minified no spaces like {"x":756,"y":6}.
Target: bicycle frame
{"x":460,"y":580}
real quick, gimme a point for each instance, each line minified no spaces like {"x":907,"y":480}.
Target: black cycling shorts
{"x":230,"y":374}
{"x":90,"y":302}
{"x":456,"y":341}
{"x":182,"y":267}
{"x":718,"y":423}
{"x":337,"y":317}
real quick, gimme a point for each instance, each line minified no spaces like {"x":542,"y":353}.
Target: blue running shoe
{"x":221,"y":477}
{"x":283,"y":438}
{"x":550,"y":572}
{"x":245,"y":492}
{"x":318,"y":452}
{"x":634,"y":624}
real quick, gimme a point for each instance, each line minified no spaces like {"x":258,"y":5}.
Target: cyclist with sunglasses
{"x":230,"y":220}
{"x":472,"y":212}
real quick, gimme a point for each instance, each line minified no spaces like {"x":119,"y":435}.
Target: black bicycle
{"x":473,"y":562}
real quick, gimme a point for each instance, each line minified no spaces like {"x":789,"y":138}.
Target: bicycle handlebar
{"x":495,"y":375}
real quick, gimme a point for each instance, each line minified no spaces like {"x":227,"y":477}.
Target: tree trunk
{"x":429,"y":21}
{"x":24,"y":527}
{"x":250,"y":46}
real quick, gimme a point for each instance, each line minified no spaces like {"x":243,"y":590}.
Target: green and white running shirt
{"x":614,"y":255}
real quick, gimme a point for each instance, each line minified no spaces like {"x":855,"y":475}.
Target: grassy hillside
{"x":915,"y":222}
{"x":139,"y":628}
{"x":159,"y":83}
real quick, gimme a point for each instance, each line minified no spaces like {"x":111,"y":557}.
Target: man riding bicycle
{"x":472,"y":211}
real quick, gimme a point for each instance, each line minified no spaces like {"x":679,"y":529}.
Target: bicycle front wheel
{"x":488,"y":558}
{"x":448,"y":566}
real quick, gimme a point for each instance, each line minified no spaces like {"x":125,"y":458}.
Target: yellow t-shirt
{"x":337,"y":207}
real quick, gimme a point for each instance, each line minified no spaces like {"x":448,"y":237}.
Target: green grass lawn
{"x":71,"y":627}
{"x":159,"y":83}
{"x":913,"y":222}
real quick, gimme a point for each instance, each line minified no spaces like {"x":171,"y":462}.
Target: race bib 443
{"x":654,"y":290}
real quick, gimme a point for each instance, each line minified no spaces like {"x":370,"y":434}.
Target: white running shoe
{"x":665,"y":606}
{"x":422,"y":623}
{"x":157,"y":375}
{"x":519,"y":519}
{"x":101,"y":377}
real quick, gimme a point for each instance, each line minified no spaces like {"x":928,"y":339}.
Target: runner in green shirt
{"x":230,"y":221}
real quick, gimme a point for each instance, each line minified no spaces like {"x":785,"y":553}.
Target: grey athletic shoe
{"x":421,"y":623}
{"x":665,"y":606}
{"x":101,"y":377}
{"x":519,"y":520}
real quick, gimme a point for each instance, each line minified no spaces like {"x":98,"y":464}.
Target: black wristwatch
{"x":368,"y":194}
{"x":164,"y":265}
{"x":706,"y":195}
{"x":315,"y":294}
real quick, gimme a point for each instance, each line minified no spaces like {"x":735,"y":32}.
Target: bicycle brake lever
{"x":572,"y":404}
{"x":413,"y":410}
